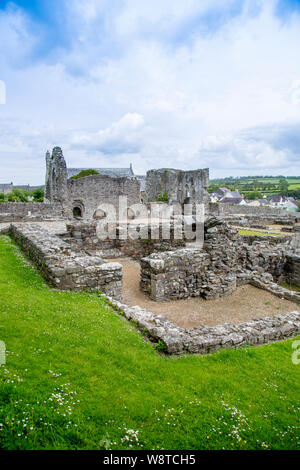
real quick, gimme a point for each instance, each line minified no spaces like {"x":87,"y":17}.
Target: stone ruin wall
{"x":86,"y":193}
{"x":209,"y":339}
{"x":83,"y":236}
{"x":218,"y":209}
{"x":31,"y":211}
{"x":63,"y":268}
{"x":292,"y":269}
{"x":225,"y":262}
{"x":181,"y":186}
{"x":89,"y":192}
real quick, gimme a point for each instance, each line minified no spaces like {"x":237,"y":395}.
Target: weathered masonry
{"x":225,"y":262}
{"x":83,"y":236}
{"x":63,"y":268}
{"x":28,"y":211}
{"x":177,"y":186}
{"x":81,"y":197}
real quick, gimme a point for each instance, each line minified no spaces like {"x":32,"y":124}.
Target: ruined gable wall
{"x":179,"y":185}
{"x":56,"y":179}
{"x":94,"y":190}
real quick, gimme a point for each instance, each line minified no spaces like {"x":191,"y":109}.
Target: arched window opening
{"x":77,"y":212}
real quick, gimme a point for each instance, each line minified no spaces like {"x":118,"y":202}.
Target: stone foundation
{"x":225,"y":262}
{"x":209,"y":339}
{"x":63,"y":268}
{"x":84,"y":237}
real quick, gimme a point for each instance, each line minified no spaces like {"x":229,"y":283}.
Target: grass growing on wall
{"x":84,"y":173}
{"x":260,"y":234}
{"x":290,"y":286}
{"x":80,"y":377}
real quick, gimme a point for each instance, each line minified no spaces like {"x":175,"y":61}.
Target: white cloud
{"x":120,"y":137}
{"x":127,"y":89}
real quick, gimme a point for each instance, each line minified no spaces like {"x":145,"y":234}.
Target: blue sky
{"x":168,"y":83}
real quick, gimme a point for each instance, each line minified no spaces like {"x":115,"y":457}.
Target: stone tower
{"x":56,"y":191}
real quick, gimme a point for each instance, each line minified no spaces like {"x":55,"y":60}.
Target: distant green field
{"x":267,"y":186}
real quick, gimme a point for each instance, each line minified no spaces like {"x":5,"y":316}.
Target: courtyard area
{"x":245,"y":303}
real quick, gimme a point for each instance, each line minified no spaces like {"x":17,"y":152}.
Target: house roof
{"x":275,"y":198}
{"x":221,"y":191}
{"x":233,"y":194}
{"x":4,"y":187}
{"x":114,"y":172}
{"x":282,"y":199}
{"x":291,"y":199}
{"x":231,"y":200}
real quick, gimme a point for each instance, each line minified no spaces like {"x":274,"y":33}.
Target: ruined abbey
{"x":170,"y":266}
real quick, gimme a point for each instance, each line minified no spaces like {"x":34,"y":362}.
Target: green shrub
{"x":84,"y":173}
{"x":163,"y":197}
{"x":38,"y":195}
{"x":18,"y":195}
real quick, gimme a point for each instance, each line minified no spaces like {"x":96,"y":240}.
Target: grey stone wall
{"x":292,"y":269}
{"x":218,"y":209}
{"x":185,"y":187}
{"x":63,"y":268}
{"x":56,"y":179}
{"x":91,"y":191}
{"x":17,"y":211}
{"x":83,"y":236}
{"x":85,"y":194}
{"x":225,"y":262}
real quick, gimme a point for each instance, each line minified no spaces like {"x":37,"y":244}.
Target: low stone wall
{"x":84,"y":237}
{"x":271,"y":240}
{"x":34,"y":211}
{"x":63,"y":268}
{"x":225,"y":262}
{"x":219,"y":209}
{"x":209,"y":339}
{"x":292,"y":269}
{"x":182,"y":274}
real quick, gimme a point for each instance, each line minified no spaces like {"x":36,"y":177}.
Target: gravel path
{"x":246,"y":303}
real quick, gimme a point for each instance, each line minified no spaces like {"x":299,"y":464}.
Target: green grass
{"x":260,"y":234}
{"x":78,"y":376}
{"x":290,"y":286}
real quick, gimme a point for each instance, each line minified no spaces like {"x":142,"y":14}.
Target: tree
{"x":283,"y":186}
{"x":38,"y":195}
{"x":18,"y":195}
{"x":2,"y":197}
{"x":254,"y":195}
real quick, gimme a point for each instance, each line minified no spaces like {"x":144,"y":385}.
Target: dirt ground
{"x":246,"y":303}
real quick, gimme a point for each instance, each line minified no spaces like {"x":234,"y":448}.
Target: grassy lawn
{"x":260,"y":234}
{"x":78,"y":376}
